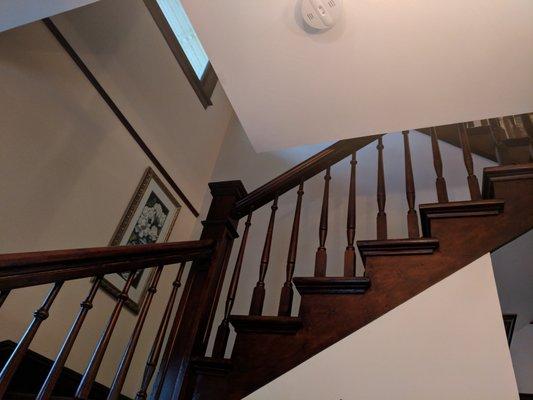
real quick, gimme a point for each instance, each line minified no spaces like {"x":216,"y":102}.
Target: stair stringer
{"x":258,"y":358}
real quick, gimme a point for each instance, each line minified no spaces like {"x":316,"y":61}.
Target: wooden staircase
{"x":450,"y":236}
{"x":454,"y":234}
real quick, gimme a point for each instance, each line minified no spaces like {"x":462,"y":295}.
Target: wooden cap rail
{"x":37,"y":268}
{"x":301,"y":172}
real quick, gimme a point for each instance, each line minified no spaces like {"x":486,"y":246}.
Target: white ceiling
{"x":388,"y":65}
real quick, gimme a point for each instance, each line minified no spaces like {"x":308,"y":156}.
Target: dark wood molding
{"x":202,"y":87}
{"x":478,"y":208}
{"x":301,"y":172}
{"x":37,"y":268}
{"x":331,"y":285}
{"x":121,"y":117}
{"x":396,"y":247}
{"x":32,"y":372}
{"x":211,"y":366}
{"x":265,"y":324}
{"x":492,"y":175}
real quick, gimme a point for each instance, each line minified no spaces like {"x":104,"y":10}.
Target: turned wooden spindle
{"x":349,"y":253}
{"x":473,"y":184}
{"x":155,"y":352}
{"x":55,"y":372}
{"x":89,"y":376}
{"x":381,"y":219}
{"x":285,"y":302}
{"x":223,"y":331}
{"x":440,"y":183}
{"x":258,"y":297}
{"x":3,"y":296}
{"x":124,"y":366}
{"x":321,"y":257}
{"x":18,"y":354}
{"x":412,"y":217}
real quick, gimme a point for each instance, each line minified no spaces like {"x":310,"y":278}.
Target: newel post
{"x":192,"y":324}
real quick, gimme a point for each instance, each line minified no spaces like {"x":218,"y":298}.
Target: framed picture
{"x":149,"y":218}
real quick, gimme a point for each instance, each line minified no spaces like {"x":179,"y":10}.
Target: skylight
{"x":182,"y":28}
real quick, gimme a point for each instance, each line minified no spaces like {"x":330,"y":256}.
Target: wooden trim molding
{"x":113,"y":106}
{"x":203,"y":87}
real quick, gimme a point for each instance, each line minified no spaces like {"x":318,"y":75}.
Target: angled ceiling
{"x":387,"y":66}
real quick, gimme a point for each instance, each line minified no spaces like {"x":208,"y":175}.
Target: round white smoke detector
{"x":321,"y":14}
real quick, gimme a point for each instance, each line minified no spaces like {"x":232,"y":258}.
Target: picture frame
{"x":149,"y":218}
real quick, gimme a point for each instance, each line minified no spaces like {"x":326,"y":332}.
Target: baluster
{"x":3,"y":296}
{"x":381,"y":219}
{"x":349,"y":253}
{"x":258,"y":297}
{"x":285,"y":302}
{"x":221,"y":339}
{"x":321,"y":257}
{"x":89,"y":376}
{"x":440,"y":183}
{"x":22,"y":347}
{"x":412,"y":218}
{"x":124,"y":366}
{"x":61,"y":358}
{"x":473,"y":184}
{"x":153,"y":357}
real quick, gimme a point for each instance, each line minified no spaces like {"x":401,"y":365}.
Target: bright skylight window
{"x":182,"y":28}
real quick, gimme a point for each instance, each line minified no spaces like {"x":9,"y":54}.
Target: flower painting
{"x":148,"y":219}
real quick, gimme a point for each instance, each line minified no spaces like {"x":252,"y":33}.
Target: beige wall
{"x":445,"y":343}
{"x":69,"y":168}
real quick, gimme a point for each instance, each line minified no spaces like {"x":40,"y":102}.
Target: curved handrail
{"x":301,"y":172}
{"x":37,"y":268}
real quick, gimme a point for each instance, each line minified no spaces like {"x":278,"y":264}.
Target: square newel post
{"x":192,"y":324}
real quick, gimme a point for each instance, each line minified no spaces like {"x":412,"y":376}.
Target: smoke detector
{"x":321,"y":14}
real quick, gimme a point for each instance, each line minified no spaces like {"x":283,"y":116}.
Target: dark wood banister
{"x":301,"y":172}
{"x":37,"y":268}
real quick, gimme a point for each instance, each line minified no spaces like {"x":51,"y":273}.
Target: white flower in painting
{"x":153,"y":233}
{"x":160,"y":215}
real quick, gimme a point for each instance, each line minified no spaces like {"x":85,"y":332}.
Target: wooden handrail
{"x":37,"y":268}
{"x":301,"y":172}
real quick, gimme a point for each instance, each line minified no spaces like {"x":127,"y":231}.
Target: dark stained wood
{"x":331,"y":285}
{"x":155,"y":351}
{"x":259,"y":357}
{"x":202,"y":87}
{"x":59,"y":363}
{"x":301,"y":172}
{"x":285,"y":302}
{"x":496,"y":175}
{"x":412,"y":218}
{"x":33,"y":370}
{"x":89,"y":376}
{"x":509,"y":321}
{"x":121,"y":117}
{"x":266,"y":324}
{"x":371,"y":248}
{"x":37,"y":268}
{"x":321,"y":257}
{"x":349,"y":253}
{"x":189,"y":335}
{"x":3,"y":296}
{"x":223,"y":331}
{"x":473,"y":184}
{"x":124,"y":365}
{"x":527,"y":124}
{"x":381,"y":219}
{"x":440,"y":182}
{"x":258,"y":296}
{"x":18,"y":354}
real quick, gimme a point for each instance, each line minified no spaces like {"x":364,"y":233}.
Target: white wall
{"x":387,"y":66}
{"x":69,"y":168}
{"x":14,"y":13}
{"x":446,"y":343}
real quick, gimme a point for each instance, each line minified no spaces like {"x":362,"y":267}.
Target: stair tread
{"x":212,"y":365}
{"x":392,"y":247}
{"x":473,"y":208}
{"x":331,"y":285}
{"x":504,"y":173}
{"x":265,"y":324}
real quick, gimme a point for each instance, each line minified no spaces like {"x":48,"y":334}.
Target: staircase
{"x":450,"y":236}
